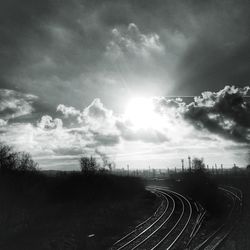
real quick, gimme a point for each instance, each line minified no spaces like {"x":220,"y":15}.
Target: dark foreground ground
{"x":76,"y":211}
{"x":69,"y":211}
{"x":202,"y":188}
{"x":239,"y":239}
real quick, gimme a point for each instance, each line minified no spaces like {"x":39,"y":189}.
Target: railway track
{"x":177,"y":222}
{"x":175,"y":232}
{"x":216,"y":238}
{"x":164,"y":228}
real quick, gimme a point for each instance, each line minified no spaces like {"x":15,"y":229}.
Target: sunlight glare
{"x":140,"y":112}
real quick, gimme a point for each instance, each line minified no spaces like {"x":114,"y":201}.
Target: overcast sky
{"x":69,"y":69}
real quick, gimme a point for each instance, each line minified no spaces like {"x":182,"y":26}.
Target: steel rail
{"x":149,"y":227}
{"x":160,"y":226}
{"x":139,"y":225}
{"x":186,"y":224}
{"x":211,"y":236}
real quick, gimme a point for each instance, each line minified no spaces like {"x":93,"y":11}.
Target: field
{"x":69,"y":210}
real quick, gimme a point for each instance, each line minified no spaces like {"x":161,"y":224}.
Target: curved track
{"x":168,"y":241}
{"x":164,"y":228}
{"x":215,"y":239}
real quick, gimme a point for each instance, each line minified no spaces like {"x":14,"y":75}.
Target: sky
{"x":143,"y":82}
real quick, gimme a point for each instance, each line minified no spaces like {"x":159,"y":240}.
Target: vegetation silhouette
{"x":198,"y":184}
{"x":15,"y":161}
{"x":37,"y":204}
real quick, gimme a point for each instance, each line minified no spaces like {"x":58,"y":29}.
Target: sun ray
{"x":140,"y":112}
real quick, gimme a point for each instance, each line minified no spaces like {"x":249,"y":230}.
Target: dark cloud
{"x":55,"y":49}
{"x":68,"y":151}
{"x":225,"y":113}
{"x":147,"y":135}
{"x":218,"y":52}
{"x":16,"y":106}
{"x":102,"y":139}
{"x":19,"y":22}
{"x":133,"y":43}
{"x":44,"y":45}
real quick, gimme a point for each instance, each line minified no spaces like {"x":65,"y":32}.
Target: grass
{"x":69,"y":210}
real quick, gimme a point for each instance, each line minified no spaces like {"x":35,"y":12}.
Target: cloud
{"x":68,"y":151}
{"x":204,"y":123}
{"x":47,"y":122}
{"x":96,"y":121}
{"x":56,"y":50}
{"x":225,"y":113}
{"x":171,"y":107}
{"x":72,"y":52}
{"x":3,"y":122}
{"x":67,"y":111}
{"x":148,"y":135}
{"x":47,"y":138}
{"x":50,"y":136}
{"x":108,"y":129}
{"x":132,"y":42}
{"x":96,"y":110}
{"x":15,"y":104}
{"x":101,"y":139}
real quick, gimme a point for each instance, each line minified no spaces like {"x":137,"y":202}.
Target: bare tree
{"x":26,"y":163}
{"x":8,"y":158}
{"x":11,"y":160}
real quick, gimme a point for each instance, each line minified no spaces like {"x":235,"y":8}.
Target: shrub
{"x":88,"y":165}
{"x":198,"y":163}
{"x":201,"y":187}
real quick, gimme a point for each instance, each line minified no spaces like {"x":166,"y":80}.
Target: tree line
{"x":10,"y":160}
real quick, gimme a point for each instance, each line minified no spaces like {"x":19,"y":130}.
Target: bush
{"x":88,"y":165}
{"x":201,"y":187}
{"x":198,"y":163}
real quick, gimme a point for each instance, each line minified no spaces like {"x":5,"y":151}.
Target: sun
{"x":140,"y":112}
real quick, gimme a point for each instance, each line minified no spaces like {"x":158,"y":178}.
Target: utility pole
{"x":189,"y":163}
{"x":128,"y":168}
{"x":182,"y":165}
